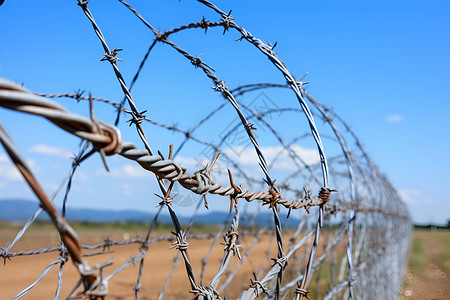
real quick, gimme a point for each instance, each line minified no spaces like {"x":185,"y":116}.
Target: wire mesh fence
{"x":349,"y":230}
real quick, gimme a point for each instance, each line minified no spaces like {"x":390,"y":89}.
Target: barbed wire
{"x":372,"y":224}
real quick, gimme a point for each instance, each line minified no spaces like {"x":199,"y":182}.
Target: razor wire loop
{"x":268,"y":195}
{"x":200,"y":182}
{"x":360,"y":208}
{"x":215,"y":79}
{"x":282,"y":67}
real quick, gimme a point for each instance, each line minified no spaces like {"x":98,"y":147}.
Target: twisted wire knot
{"x":64,"y":256}
{"x":300,"y":83}
{"x":324,"y":194}
{"x":112,"y":57}
{"x":196,"y":61}
{"x":220,"y":86}
{"x":281,"y":261}
{"x":83,"y":3}
{"x":133,"y":260}
{"x":268,"y":49}
{"x":208,"y":292}
{"x":181,"y":243}
{"x":167,"y":202}
{"x":256,"y":284}
{"x":5,"y":254}
{"x":115,"y":143}
{"x":204,"y":182}
{"x":227,"y":22}
{"x":274,"y":198}
{"x":230,"y":238}
{"x":136,"y":117}
{"x":79,"y":95}
{"x":249,"y":126}
{"x":144,"y":246}
{"x":204,"y":24}
{"x":107,"y":243}
{"x":302,"y":292}
{"x":137,"y":287}
{"x":162,"y":37}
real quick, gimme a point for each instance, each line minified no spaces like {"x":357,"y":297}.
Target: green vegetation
{"x":430,"y":245}
{"x":416,"y":258}
{"x":443,"y":259}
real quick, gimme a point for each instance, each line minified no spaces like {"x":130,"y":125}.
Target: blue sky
{"x":384,"y":66}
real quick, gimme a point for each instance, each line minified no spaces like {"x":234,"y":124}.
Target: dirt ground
{"x":428,"y":273}
{"x":21,"y":271}
{"x":427,"y":276}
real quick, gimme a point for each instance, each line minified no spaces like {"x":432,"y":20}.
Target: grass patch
{"x":445,"y":253}
{"x":416,"y":260}
{"x":416,"y":256}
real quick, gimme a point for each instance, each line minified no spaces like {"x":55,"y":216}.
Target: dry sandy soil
{"x":427,"y":276}
{"x":24,"y":270}
{"x":428,"y":273}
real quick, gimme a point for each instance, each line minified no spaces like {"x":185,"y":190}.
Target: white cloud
{"x":127,"y":190}
{"x":411,"y":196}
{"x":3,"y":158}
{"x":8,"y":170}
{"x":247,"y":159}
{"x":282,"y":157}
{"x":81,"y":176}
{"x":135,"y":171}
{"x":128,"y":170}
{"x":52,"y":151}
{"x":395,"y":118}
{"x":51,"y":187}
{"x":191,"y":163}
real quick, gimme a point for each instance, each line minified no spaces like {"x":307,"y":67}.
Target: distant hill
{"x":21,"y":210}
{"x":17,"y":209}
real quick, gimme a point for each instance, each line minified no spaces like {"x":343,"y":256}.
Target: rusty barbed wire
{"x":368,"y":210}
{"x":109,"y":140}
